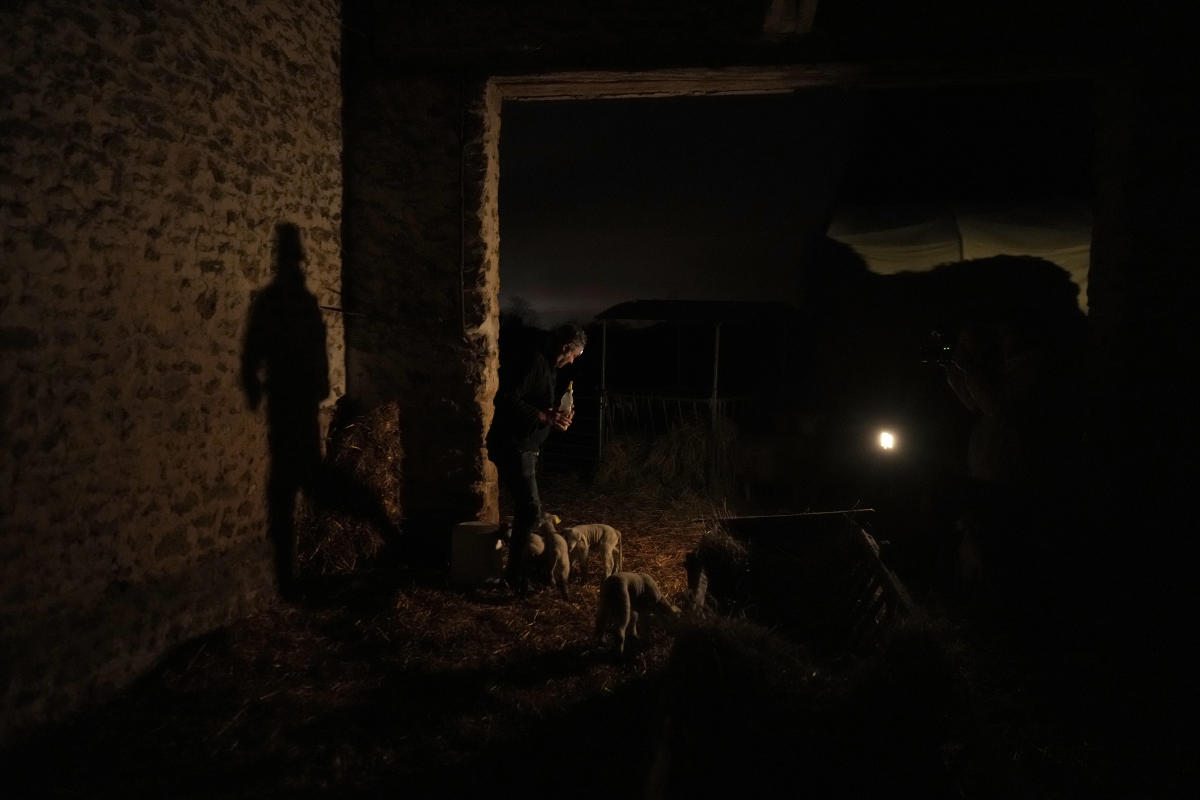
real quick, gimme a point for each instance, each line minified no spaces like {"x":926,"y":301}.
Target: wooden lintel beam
{"x":594,"y":85}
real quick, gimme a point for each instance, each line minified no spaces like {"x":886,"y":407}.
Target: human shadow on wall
{"x":284,"y":357}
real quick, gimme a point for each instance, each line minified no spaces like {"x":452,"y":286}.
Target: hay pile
{"x":355,"y":509}
{"x":690,"y":457}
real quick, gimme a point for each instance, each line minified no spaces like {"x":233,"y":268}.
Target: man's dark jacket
{"x":526,"y":387}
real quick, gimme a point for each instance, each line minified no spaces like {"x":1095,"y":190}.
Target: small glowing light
{"x":887,"y":441}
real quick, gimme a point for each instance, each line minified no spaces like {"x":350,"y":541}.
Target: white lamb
{"x":580,"y":540}
{"x":624,"y":598}
{"x":553,"y":562}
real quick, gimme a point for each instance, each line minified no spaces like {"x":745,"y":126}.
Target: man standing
{"x":526,"y":410}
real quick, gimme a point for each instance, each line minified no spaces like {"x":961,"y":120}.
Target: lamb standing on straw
{"x":549,"y":549}
{"x":626,"y":598}
{"x":580,"y":540}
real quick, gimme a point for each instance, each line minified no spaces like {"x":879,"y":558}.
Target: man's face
{"x":567,"y":355}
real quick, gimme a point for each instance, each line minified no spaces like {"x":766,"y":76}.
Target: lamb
{"x":552,"y":565}
{"x":553,"y":560}
{"x":580,"y":538}
{"x":624,"y":598}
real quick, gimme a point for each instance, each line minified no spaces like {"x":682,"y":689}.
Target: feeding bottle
{"x":568,"y":399}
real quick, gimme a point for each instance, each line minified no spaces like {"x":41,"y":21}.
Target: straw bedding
{"x":389,"y":681}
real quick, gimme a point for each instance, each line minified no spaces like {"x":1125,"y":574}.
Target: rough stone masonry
{"x":149,"y":152}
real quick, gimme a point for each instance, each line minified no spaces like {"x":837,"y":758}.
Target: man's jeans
{"x":518,"y":472}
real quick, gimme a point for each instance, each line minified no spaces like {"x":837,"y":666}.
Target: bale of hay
{"x":355,"y":509}
{"x":693,"y":456}
{"x":622,"y":464}
{"x":690,"y":457}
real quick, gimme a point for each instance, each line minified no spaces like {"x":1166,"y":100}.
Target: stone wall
{"x":149,"y":151}
{"x":420,"y":289}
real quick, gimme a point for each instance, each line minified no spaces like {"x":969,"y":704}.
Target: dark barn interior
{"x":254,"y":307}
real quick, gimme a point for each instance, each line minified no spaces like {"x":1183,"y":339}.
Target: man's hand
{"x":558,"y":419}
{"x":562,"y":420}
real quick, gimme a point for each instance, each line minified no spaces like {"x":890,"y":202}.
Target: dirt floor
{"x":392,"y":683}
{"x":389,"y":680}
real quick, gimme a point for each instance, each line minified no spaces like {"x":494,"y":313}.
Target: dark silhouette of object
{"x":526,"y":411}
{"x":1004,"y":468}
{"x":284,"y":357}
{"x":1018,"y":361}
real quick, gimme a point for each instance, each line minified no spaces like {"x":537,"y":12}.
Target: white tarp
{"x":1061,"y":234}
{"x":917,"y":239}
{"x":908,"y":248}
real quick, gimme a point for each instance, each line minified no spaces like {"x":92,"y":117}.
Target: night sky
{"x":715,"y":198}
{"x":608,"y":201}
